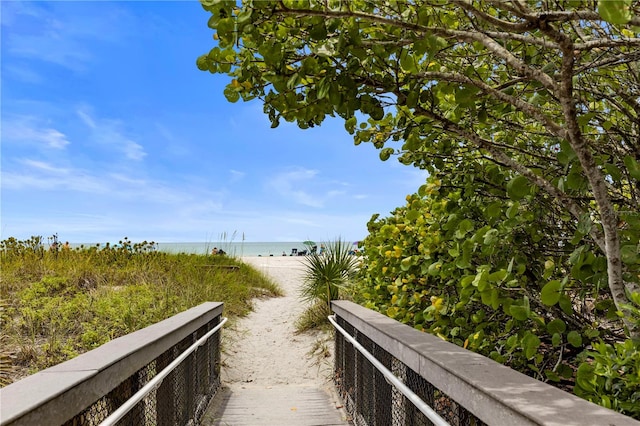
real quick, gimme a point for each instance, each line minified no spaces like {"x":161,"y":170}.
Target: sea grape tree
{"x":465,"y":262}
{"x":549,"y":91}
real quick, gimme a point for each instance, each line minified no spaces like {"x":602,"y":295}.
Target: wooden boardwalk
{"x":274,"y":406}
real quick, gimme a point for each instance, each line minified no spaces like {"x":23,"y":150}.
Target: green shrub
{"x":488,"y":273}
{"x":611,"y":377}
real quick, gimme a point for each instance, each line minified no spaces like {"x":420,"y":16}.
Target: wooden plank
{"x":274,"y":406}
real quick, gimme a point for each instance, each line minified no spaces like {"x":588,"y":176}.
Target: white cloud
{"x":27,"y":129}
{"x":109,"y":133}
{"x":306,"y":187}
{"x":86,"y":119}
{"x":132,"y":150}
{"x":45,"y":167}
{"x":236,"y":175}
{"x":335,"y":193}
{"x":22,"y":73}
{"x":287,"y":184}
{"x":32,"y":32}
{"x":40,"y":175}
{"x":99,"y":187}
{"x":50,"y":47}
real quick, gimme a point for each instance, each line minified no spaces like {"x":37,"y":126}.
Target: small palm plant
{"x":326,"y":275}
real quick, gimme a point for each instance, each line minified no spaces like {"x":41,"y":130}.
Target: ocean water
{"x":237,"y":249}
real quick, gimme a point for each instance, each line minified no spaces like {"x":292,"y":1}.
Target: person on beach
{"x":214,"y":251}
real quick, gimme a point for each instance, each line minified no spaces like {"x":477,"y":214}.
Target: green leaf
{"x":518,"y":188}
{"x":406,"y":263}
{"x":584,"y":224}
{"x":575,"y":181}
{"x":565,"y":371}
{"x":591,"y":333}
{"x":386,"y":153}
{"x":350,"y":125}
{"x":464,"y":227}
{"x":482,"y":115}
{"x":615,"y":11}
{"x":550,"y":294}
{"x":575,"y":339}
{"x":464,"y":282}
{"x":493,"y":210}
{"x":552,"y":376}
{"x":519,"y":312}
{"x":530,"y":344}
{"x":202,"y":63}
{"x":632,"y":166}
{"x":407,"y":61}
{"x":565,"y":304}
{"x":231,"y":94}
{"x":613,"y":171}
{"x":498,"y":276}
{"x":490,"y":237}
{"x":377,"y":112}
{"x":512,"y":211}
{"x":323,"y":89}
{"x":585,"y":377}
{"x":412,"y":215}
{"x":629,"y":254}
{"x":244,"y":16}
{"x":490,"y":297}
{"x":556,"y":326}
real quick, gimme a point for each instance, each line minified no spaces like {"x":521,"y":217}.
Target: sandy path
{"x":263,"y":349}
{"x":270,"y":374}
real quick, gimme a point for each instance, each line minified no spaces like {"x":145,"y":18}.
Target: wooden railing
{"x":90,"y":387}
{"x":462,"y":387}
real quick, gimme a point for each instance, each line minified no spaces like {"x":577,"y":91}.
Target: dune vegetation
{"x":57,"y":302}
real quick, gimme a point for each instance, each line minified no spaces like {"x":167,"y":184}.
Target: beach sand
{"x":263,"y":357}
{"x":263,"y":347}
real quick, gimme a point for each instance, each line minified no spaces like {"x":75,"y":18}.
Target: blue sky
{"x":109,"y":130}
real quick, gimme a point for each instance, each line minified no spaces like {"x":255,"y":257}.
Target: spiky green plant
{"x":326,"y":274}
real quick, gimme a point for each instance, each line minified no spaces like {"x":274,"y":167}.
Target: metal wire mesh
{"x":180,"y":399}
{"x":371,"y":400}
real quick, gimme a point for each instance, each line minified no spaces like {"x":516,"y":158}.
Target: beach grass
{"x":57,"y":303}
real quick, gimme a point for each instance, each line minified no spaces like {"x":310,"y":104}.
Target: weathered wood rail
{"x":463,"y":387}
{"x":90,"y":387}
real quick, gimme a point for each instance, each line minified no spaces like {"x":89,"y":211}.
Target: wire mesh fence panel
{"x":180,"y":399}
{"x":372,"y":401}
{"x":165,"y":394}
{"x":345,"y":372}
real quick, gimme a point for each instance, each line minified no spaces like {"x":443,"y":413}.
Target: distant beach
{"x":236,"y":249}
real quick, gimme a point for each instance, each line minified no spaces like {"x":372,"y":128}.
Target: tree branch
{"x":521,"y":105}
{"x":573,"y":208}
{"x":489,"y":43}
